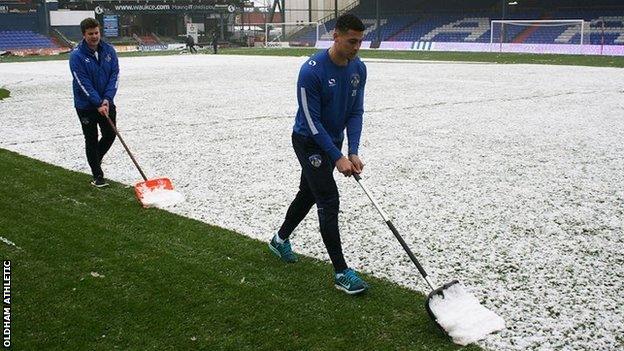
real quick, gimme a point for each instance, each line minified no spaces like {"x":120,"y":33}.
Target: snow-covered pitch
{"x":509,"y":178}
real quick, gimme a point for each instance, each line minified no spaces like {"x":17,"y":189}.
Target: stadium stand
{"x":148,"y":40}
{"x":21,"y":28}
{"x":400,"y":22}
{"x":432,"y":21}
{"x":23,"y":40}
{"x":18,"y":21}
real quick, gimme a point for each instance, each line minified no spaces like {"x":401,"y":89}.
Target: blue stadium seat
{"x":20,"y":40}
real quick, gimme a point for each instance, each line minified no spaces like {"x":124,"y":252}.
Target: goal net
{"x":570,"y":32}
{"x":288,"y":34}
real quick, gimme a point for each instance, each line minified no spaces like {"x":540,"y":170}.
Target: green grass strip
{"x":502,"y":58}
{"x":4,"y":93}
{"x":171,"y":283}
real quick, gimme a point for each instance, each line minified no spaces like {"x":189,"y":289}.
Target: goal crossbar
{"x":540,"y":23}
{"x":557,"y":22}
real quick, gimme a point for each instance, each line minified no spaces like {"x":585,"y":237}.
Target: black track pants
{"x":96,"y":149}
{"x":317,"y":186}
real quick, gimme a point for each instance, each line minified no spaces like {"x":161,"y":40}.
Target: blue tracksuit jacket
{"x":95,"y":79}
{"x":331,"y":98}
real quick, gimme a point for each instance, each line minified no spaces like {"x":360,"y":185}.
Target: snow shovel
{"x":453,"y":309}
{"x":149,"y":192}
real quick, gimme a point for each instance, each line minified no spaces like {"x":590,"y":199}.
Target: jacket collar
{"x":87,"y":50}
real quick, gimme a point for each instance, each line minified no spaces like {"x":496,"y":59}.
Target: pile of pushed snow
{"x":463,"y":317}
{"x":160,"y":197}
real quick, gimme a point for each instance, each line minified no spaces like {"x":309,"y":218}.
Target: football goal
{"x":569,"y":31}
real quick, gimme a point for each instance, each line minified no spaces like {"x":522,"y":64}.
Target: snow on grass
{"x":506,"y":177}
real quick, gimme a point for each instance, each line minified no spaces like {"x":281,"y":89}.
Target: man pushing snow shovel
{"x":95,"y":71}
{"x":330,"y":93}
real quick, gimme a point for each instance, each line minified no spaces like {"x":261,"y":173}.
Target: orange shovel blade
{"x":150,"y":185}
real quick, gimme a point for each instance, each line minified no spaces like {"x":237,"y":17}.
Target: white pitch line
{"x":9,"y":242}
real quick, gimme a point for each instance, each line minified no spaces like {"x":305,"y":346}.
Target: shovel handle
{"x":394,"y":231}
{"x":125,"y":146}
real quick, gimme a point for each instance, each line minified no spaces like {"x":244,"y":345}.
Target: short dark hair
{"x":349,"y":21}
{"x":88,"y":23}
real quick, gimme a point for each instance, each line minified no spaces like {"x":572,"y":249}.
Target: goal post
{"x":563,"y":31}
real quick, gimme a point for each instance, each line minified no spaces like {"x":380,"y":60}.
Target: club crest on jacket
{"x":355,"y":80}
{"x":315,"y":160}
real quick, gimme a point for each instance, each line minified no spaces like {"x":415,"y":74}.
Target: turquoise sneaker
{"x":349,"y":282}
{"x":283,"y":251}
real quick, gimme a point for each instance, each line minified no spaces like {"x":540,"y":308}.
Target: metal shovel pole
{"x":394,"y":231}
{"x":110,"y":121}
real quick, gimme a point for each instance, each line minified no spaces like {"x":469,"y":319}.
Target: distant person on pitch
{"x":190,"y":44}
{"x":330,"y":93}
{"x":95,"y":71}
{"x":215,"y":43}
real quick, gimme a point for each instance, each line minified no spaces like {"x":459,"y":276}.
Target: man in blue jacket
{"x":95,"y":71}
{"x":330,"y":93}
